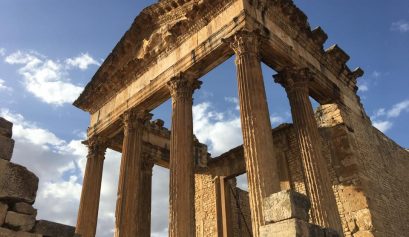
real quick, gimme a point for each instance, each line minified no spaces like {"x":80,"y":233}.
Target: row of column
{"x":134,"y":189}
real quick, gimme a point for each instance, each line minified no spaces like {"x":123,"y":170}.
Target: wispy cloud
{"x":2,"y":52}
{"x":45,"y":78}
{"x":82,"y":61}
{"x":3,"y":86}
{"x":383,"y":118}
{"x":401,"y":26}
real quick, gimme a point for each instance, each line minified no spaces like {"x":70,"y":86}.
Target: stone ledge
{"x":48,"y":228}
{"x":285,"y":205}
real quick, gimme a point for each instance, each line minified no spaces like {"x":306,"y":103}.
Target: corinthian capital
{"x":134,"y":118}
{"x":244,"y":42}
{"x":97,"y":146}
{"x":294,"y":78}
{"x":180,"y":86}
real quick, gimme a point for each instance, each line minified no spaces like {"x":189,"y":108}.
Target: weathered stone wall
{"x":369,"y":174}
{"x":18,"y":189}
{"x":205,"y":205}
{"x":241,"y":217}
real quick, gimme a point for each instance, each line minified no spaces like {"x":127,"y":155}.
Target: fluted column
{"x":261,"y":164}
{"x":91,"y":188}
{"x":130,"y":196}
{"x":181,"y":197}
{"x":145,"y":213}
{"x":324,"y":210}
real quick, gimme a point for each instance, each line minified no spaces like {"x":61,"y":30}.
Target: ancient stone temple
{"x":330,"y":173}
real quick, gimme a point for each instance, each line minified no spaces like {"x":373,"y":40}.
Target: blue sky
{"x":50,"y":49}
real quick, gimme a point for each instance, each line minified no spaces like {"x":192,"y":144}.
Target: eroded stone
{"x":6,"y":148}
{"x":6,"y":128}
{"x":291,"y":228}
{"x":286,"y":205}
{"x":17,"y":183}
{"x":3,"y":212}
{"x":19,"y":221}
{"x":48,"y":228}
{"x":25,"y":208}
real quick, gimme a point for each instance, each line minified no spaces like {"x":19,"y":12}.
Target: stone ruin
{"x":329,"y":173}
{"x":18,"y":189}
{"x":355,"y":177}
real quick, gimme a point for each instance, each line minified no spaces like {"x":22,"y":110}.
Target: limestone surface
{"x":17,"y":183}
{"x":286,"y":205}
{"x":3,"y":212}
{"x":48,"y":228}
{"x":19,"y":221}
{"x":24,"y":208}
{"x":6,"y":147}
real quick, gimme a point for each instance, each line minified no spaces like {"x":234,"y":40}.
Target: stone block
{"x":291,"y":228}
{"x":364,"y":233}
{"x":48,"y":228}
{"x":10,"y":233}
{"x":363,"y":219}
{"x":3,"y":212}
{"x":285,"y":205}
{"x":25,"y":208}
{"x":19,"y":221}
{"x":6,"y":128}
{"x":6,"y":148}
{"x":17,"y":183}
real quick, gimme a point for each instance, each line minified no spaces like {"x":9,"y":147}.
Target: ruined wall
{"x":18,"y":189}
{"x":205,"y":205}
{"x":371,"y":178}
{"x":240,"y":210}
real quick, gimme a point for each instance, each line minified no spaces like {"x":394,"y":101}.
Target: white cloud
{"x":233,"y":100}
{"x":2,"y":52}
{"x":383,"y":118}
{"x":401,"y":26}
{"x":82,"y":61}
{"x":219,"y":130}
{"x":3,"y":86}
{"x":46,"y":79}
{"x":383,"y":126}
{"x":363,"y":87}
{"x":398,"y":108}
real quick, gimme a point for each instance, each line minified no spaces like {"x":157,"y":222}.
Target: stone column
{"x":130,"y":200}
{"x":91,"y":188}
{"x":261,"y":164}
{"x":324,"y":210}
{"x":145,"y":213}
{"x":181,"y":197}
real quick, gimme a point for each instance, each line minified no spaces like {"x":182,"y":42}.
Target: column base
{"x":286,"y":213}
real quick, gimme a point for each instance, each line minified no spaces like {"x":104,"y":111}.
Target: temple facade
{"x":330,"y":173}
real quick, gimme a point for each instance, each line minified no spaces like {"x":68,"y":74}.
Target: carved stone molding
{"x":180,"y":86}
{"x":97,"y":146}
{"x":133,"y":118}
{"x":245,"y":42}
{"x":294,"y":78}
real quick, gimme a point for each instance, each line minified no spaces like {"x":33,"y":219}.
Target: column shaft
{"x":91,"y":188}
{"x":181,"y":198}
{"x":261,"y":164}
{"x":324,"y":210}
{"x":130,"y":196}
{"x":145,"y":217}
